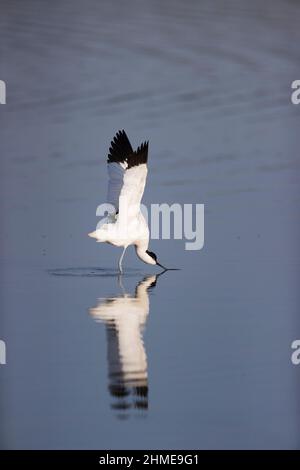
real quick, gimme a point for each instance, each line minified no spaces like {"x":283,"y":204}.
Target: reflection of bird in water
{"x":125,"y":318}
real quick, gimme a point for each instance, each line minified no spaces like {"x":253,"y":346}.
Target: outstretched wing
{"x":127,"y":171}
{"x":119,"y":151}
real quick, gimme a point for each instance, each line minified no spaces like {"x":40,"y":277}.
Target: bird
{"x":125,"y":224}
{"x":125,"y":317}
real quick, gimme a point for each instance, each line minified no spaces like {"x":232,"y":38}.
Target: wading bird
{"x":125,"y":224}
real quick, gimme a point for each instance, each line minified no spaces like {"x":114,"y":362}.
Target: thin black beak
{"x":167,"y":269}
{"x":158,"y":264}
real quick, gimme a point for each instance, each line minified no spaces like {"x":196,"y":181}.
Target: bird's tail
{"x":98,"y":235}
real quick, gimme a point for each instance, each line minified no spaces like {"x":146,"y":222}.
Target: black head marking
{"x":153,"y":255}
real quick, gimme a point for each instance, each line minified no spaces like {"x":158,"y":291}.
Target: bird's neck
{"x":141,"y":253}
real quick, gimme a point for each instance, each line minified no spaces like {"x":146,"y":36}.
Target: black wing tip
{"x":140,"y":156}
{"x":120,"y":147}
{"x":120,"y":133}
{"x":120,"y":150}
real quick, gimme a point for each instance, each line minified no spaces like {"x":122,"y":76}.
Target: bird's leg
{"x":121,"y":284}
{"x":121,"y":259}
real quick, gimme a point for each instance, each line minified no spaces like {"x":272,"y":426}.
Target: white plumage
{"x":125,"y":317}
{"x":126,"y":225}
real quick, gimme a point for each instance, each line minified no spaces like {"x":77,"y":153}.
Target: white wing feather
{"x":132,"y":191}
{"x":115,"y":182}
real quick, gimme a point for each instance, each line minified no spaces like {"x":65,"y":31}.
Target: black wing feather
{"x":120,"y":148}
{"x":140,"y":156}
{"x":121,"y":151}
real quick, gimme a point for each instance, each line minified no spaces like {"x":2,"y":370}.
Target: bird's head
{"x":152,"y":259}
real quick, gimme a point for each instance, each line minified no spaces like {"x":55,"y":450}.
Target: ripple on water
{"x":91,"y":272}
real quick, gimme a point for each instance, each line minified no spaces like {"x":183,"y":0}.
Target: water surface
{"x":199,"y":358}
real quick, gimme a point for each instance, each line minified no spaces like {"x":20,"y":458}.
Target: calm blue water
{"x":197,"y":358}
